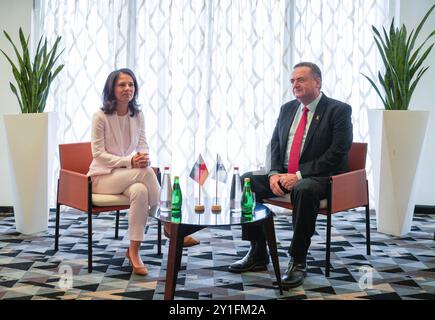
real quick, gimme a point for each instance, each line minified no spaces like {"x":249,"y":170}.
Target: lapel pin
{"x":317,"y":118}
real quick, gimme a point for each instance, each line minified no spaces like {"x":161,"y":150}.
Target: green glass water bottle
{"x":247,"y":198}
{"x":175,"y":219}
{"x":177,"y":197}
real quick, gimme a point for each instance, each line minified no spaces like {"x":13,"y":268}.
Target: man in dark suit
{"x":310,"y":142}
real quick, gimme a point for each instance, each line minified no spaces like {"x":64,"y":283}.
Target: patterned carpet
{"x":399,"y":268}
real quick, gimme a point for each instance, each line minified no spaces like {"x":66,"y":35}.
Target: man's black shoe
{"x":256,"y":259}
{"x":294,"y":275}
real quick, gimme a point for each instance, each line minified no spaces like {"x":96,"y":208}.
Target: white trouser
{"x":140,"y":185}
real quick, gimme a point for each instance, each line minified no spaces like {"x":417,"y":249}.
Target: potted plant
{"x":31,"y":134}
{"x":396,"y":133}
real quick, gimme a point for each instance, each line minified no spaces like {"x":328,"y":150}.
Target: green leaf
{"x":414,"y":85}
{"x":33,"y":77}
{"x":376,"y":89}
{"x":420,"y":61}
{"x":415,"y":54}
{"x":14,"y":90}
{"x":20,"y":60}
{"x":403,"y":64}
{"x":420,"y":26}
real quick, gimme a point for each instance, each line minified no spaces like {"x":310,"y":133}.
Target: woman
{"x":121,"y":163}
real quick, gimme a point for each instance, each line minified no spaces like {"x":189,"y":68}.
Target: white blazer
{"x":106,"y":142}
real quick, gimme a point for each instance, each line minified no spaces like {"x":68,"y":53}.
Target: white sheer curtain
{"x":212,"y":74}
{"x":211,"y":80}
{"x":94,"y":38}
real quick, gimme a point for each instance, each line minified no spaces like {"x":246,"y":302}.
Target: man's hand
{"x":140,"y":160}
{"x":274,"y":186}
{"x":288,"y":180}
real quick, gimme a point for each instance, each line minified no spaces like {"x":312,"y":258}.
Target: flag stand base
{"x":199,"y":208}
{"x":216,"y":208}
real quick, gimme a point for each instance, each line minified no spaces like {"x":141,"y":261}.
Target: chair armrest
{"x":348,"y":190}
{"x":73,"y":189}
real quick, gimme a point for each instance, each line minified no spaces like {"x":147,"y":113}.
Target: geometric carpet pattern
{"x":398,"y":268}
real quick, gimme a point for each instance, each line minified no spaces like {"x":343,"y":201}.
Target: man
{"x":310,"y":142}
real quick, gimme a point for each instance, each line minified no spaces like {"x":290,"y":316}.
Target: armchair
{"x":74,"y":189}
{"x":346,"y":191}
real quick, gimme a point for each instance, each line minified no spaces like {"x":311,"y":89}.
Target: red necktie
{"x":295,"y":150}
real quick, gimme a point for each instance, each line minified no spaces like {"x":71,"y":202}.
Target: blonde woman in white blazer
{"x":121,"y":163}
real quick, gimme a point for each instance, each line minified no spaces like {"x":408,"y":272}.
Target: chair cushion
{"x":109,"y":200}
{"x":286,"y":198}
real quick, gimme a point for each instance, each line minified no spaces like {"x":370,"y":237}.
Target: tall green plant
{"x":33,"y":78}
{"x":403,"y":64}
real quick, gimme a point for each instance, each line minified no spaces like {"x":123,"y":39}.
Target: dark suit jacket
{"x":328,"y":140}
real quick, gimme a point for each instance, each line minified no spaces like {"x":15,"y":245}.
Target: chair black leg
{"x":159,"y":237}
{"x":117,"y":224}
{"x":90,"y":241}
{"x":56,"y":234}
{"x":368,"y":230}
{"x":328,"y":244}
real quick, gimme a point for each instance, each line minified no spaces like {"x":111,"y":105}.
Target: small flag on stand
{"x":199,"y":173}
{"x":220,"y":173}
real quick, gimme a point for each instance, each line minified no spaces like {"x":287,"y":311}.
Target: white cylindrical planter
{"x":31,"y":141}
{"x":396,"y":141}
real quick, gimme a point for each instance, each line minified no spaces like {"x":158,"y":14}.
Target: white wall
{"x":13,"y":15}
{"x":411,"y":12}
